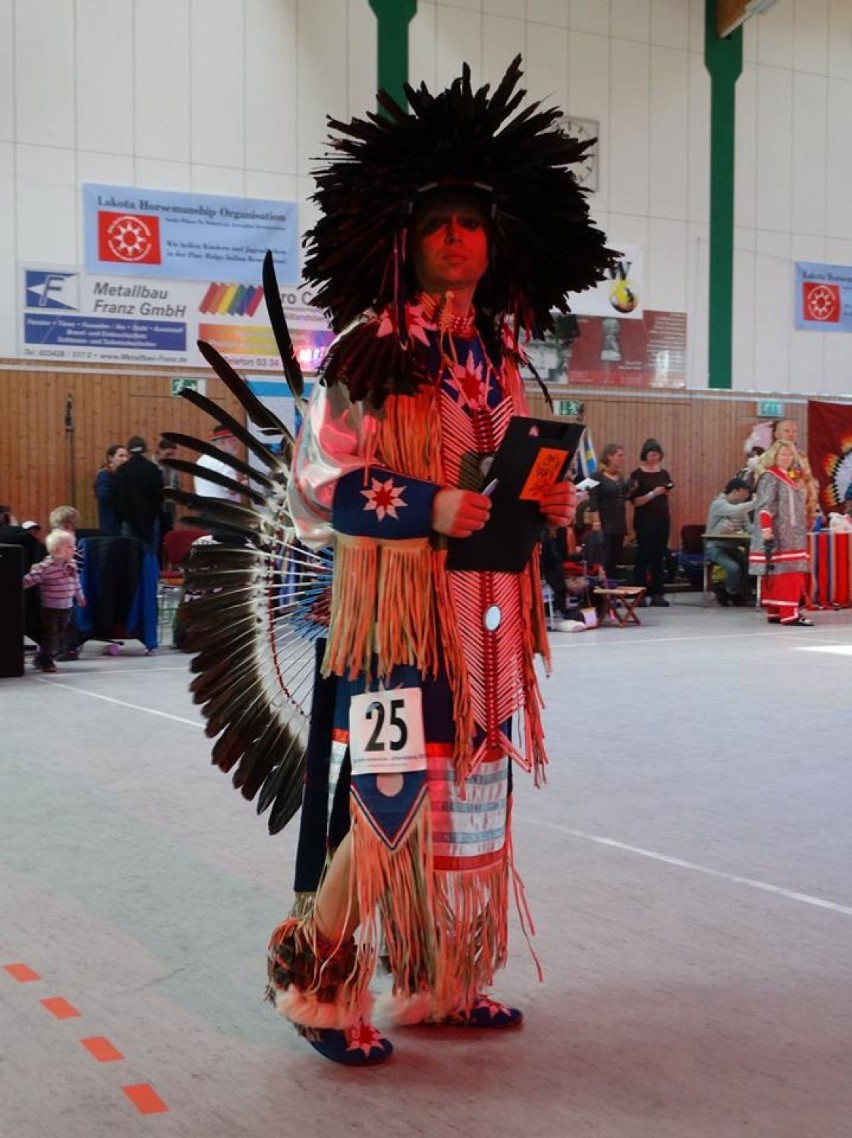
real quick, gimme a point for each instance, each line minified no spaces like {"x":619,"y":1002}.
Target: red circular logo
{"x":822,"y":302}
{"x":129,"y":238}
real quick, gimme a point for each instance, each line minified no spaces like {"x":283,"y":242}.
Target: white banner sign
{"x":79,"y":317}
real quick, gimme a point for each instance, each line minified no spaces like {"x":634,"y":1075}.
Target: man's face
{"x":166,"y":452}
{"x":738,"y":496}
{"x":227,"y":443}
{"x":787,"y":430}
{"x":450,"y":245}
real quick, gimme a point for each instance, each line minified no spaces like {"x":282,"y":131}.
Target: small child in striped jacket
{"x":59,"y":581}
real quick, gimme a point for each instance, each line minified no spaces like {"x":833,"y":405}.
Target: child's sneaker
{"x":49,"y":668}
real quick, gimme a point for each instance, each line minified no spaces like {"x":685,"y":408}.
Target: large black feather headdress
{"x":543,"y":244}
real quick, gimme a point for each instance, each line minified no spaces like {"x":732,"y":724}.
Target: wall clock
{"x":585,"y":171}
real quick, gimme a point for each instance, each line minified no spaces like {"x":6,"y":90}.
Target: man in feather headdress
{"x":448,"y":235}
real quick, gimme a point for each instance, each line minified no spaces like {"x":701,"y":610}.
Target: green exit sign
{"x":770,"y":409}
{"x":185,"y":383}
{"x":568,"y":407}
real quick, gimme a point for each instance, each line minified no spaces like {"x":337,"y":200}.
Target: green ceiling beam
{"x":723,"y":58}
{"x":393,"y":18}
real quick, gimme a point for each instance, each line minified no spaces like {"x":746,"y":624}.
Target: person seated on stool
{"x":729,"y":514}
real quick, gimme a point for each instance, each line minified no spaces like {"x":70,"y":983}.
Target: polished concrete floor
{"x":688,"y":867}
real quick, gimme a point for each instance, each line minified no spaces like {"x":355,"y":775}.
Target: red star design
{"x":493,"y":1007}
{"x":469,"y":381}
{"x":384,"y":498}
{"x":362,"y":1037}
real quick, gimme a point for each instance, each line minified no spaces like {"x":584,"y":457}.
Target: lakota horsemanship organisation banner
{"x":159,"y":233}
{"x":823,"y":298}
{"x":163,"y":270}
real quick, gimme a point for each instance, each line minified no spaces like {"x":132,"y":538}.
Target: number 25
{"x":375,"y":742}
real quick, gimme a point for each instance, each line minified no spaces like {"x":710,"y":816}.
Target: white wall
{"x":793,"y":191}
{"x":637,"y":67}
{"x":213,"y":96}
{"x":223,"y":96}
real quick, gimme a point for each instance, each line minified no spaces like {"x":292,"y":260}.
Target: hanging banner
{"x":621,"y":294}
{"x":594,"y":351}
{"x":87,"y":317}
{"x":830,"y":450}
{"x":823,"y":301}
{"x":159,"y":233}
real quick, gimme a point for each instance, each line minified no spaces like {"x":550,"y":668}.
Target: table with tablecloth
{"x":831,"y":569}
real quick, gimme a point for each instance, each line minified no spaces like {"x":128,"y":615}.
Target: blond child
{"x":59,"y":581}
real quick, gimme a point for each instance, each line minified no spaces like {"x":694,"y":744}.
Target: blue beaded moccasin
{"x":486,"y":1013}
{"x":357,"y":1046}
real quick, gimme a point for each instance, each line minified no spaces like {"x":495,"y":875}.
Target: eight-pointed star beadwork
{"x":384,"y":498}
{"x":362,"y":1037}
{"x":468,"y":378}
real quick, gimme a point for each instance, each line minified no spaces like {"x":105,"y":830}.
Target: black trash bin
{"x":11,"y":611}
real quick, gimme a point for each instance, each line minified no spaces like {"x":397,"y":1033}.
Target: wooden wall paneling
{"x":702,"y":438}
{"x":702,"y":435}
{"x":108,"y":407}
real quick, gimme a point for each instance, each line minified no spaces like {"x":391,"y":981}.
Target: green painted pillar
{"x":393,"y":18}
{"x":723,"y":58}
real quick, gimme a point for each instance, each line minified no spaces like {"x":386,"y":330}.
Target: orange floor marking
{"x":145,"y":1099}
{"x":59,"y":1007}
{"x":21,"y":972}
{"x":101,"y":1048}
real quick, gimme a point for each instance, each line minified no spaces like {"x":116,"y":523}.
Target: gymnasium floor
{"x":688,"y":866}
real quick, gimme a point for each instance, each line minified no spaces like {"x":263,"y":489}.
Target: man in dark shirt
{"x":139,"y":496}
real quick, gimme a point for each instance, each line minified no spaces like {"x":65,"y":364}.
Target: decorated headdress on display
{"x":542,"y":243}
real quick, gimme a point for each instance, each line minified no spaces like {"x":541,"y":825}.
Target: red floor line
{"x":21,"y":972}
{"x":60,"y":1008}
{"x":142,"y":1095}
{"x":100,"y":1048}
{"x":145,"y":1099}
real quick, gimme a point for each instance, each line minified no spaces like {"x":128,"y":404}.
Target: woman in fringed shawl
{"x":466,"y":236}
{"x":779,"y":553}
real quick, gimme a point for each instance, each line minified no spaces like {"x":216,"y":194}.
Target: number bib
{"x":386,"y":732}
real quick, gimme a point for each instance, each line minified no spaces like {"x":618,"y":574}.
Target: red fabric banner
{"x":830,"y":449}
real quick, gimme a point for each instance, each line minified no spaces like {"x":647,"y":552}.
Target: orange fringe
{"x":531,"y":601}
{"x":445,"y":933}
{"x":396,"y":885}
{"x":406,"y":613}
{"x":472,"y":911}
{"x":349,"y":649}
{"x":382,"y":605}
